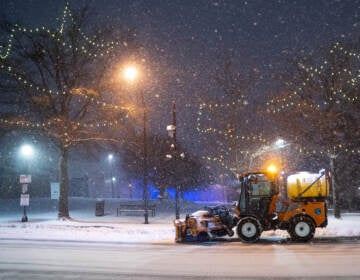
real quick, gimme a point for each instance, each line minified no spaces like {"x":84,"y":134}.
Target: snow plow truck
{"x":261,"y":207}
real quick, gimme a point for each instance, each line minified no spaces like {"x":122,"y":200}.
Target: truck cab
{"x":258,"y":195}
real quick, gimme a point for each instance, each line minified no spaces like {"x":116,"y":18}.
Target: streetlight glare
{"x":27,"y":150}
{"x":131,"y":73}
{"x":280,"y":143}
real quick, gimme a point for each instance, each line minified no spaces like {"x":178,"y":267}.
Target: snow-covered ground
{"x":85,"y":226}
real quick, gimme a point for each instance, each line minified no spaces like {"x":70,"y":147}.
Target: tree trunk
{"x":335,"y":191}
{"x":64,"y":184}
{"x":182,"y":193}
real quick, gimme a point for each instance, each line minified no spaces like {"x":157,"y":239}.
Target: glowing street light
{"x":27,"y":151}
{"x":277,"y":145}
{"x":131,"y":74}
{"x":280,"y":143}
{"x":272,"y":168}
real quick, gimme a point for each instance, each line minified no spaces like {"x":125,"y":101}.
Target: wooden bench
{"x":135,"y":207}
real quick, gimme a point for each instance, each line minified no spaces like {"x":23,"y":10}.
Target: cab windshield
{"x":260,"y":188}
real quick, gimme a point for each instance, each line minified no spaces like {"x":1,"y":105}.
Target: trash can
{"x":99,"y":207}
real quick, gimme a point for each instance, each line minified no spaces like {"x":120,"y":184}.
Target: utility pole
{"x":145,"y":160}
{"x":172,"y":133}
{"x":177,"y":210}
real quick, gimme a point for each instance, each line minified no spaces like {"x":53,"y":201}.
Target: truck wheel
{"x":249,"y":229}
{"x":302,"y":229}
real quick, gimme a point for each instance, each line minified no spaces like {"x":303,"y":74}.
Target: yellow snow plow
{"x":257,"y":209}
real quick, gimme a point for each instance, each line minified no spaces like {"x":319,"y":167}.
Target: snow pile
{"x":132,"y":229}
{"x":348,"y":225}
{"x":85,"y":226}
{"x":83,"y":231}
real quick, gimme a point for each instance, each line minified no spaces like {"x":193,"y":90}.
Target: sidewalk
{"x":86,"y":227}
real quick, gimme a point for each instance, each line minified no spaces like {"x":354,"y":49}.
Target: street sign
{"x":24,"y":199}
{"x":55,"y":190}
{"x":25,"y":179}
{"x":24,"y":188}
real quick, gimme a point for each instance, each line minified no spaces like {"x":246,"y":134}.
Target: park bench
{"x":134,"y":208}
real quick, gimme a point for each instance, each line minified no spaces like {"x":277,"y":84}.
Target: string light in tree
{"x":229,"y":140}
{"x":351,"y":79}
{"x":41,"y":91}
{"x":88,"y":94}
{"x":228,"y":133}
{"x":347,"y":93}
{"x":101,"y":49}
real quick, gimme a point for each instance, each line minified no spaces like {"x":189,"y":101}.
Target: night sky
{"x":184,"y":38}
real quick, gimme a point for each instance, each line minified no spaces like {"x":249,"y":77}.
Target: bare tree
{"x":319,"y":107}
{"x":224,"y":119}
{"x":166,"y":168}
{"x":58,"y":80}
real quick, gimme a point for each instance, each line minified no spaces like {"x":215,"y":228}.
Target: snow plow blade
{"x":180,"y":227}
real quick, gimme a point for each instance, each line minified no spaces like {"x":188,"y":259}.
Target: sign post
{"x":54,"y":191}
{"x":25,"y":196}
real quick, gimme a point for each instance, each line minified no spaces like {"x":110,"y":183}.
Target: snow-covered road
{"x":111,"y":247}
{"x":215,"y":260}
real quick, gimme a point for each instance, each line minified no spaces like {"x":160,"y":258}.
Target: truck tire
{"x":249,"y":229}
{"x":302,"y":228}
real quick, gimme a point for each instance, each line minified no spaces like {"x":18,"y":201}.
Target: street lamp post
{"x":145,"y":159}
{"x":110,"y":158}
{"x":27,"y":153}
{"x":131,"y":74}
{"x":172,"y":133}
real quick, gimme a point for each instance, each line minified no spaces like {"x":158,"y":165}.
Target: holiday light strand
{"x":66,"y":13}
{"x":56,"y":122}
{"x":111,"y":44}
{"x":227,"y":133}
{"x":43,"y":91}
{"x":40,"y":91}
{"x":224,"y":159}
{"x":353,"y":80}
{"x":219,"y":162}
{"x":102,"y":49}
{"x":337,"y":149}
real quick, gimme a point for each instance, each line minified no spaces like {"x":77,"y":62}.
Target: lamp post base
{"x":177,"y":208}
{"x":24,"y":217}
{"x":146,"y":215}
